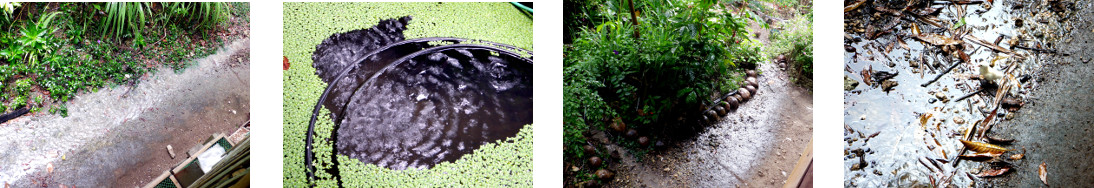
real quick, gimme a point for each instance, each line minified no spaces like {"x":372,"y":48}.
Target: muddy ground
{"x":117,"y":137}
{"x":893,"y":133}
{"x":1056,"y":125}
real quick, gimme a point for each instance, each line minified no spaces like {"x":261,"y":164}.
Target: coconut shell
{"x":745,"y":95}
{"x":751,"y":88}
{"x":713,"y":116}
{"x":751,"y":79}
{"x":733,"y":103}
{"x":618,"y":126}
{"x":721,"y":111}
{"x":631,"y":133}
{"x":751,"y":73}
{"x":590,"y":149}
{"x":604,"y":174}
{"x":595,"y":161}
{"x":644,"y":141}
{"x":726,"y":105}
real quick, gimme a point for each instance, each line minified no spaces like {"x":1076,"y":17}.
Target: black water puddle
{"x":416,"y":103}
{"x":892,"y":135}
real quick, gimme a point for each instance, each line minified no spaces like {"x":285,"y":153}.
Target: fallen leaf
{"x":1017,"y":156}
{"x":1042,"y":171}
{"x":983,"y":147}
{"x":993,"y":172}
{"x":938,"y":40}
{"x":923,"y":119}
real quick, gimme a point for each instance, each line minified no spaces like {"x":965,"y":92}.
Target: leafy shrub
{"x":795,"y":40}
{"x":200,"y":15}
{"x":124,"y":19}
{"x":683,"y":53}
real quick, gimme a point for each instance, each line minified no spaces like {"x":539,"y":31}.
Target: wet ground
{"x":896,"y":126}
{"x":117,"y":137}
{"x":1056,"y":127}
{"x":757,"y":146}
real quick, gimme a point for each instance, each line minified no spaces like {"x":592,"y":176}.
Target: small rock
{"x":849,"y":84}
{"x":942,"y":96}
{"x":888,"y":85}
{"x":958,"y":120}
{"x":666,"y":169}
{"x":631,"y":133}
{"x":171,"y":151}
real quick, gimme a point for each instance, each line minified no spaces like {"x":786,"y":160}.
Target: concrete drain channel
{"x":411,"y":104}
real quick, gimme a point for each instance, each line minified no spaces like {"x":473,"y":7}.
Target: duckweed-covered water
{"x":506,"y":162}
{"x":892,"y":137}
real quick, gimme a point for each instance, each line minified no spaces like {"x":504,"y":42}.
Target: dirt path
{"x":117,"y":137}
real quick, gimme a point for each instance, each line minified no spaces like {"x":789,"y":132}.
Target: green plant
{"x":202,"y":15}
{"x":37,"y":39}
{"x":796,"y":43}
{"x":124,"y":19}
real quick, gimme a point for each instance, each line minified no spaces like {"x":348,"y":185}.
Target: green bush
{"x":683,"y":54}
{"x":795,"y":40}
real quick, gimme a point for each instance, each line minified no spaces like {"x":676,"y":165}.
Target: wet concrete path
{"x":1056,"y":126}
{"x":117,"y":137}
{"x":756,"y":146}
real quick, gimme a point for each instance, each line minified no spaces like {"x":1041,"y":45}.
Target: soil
{"x":117,"y":137}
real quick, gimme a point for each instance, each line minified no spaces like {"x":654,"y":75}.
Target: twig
{"x":969,"y":95}
{"x":941,"y":74}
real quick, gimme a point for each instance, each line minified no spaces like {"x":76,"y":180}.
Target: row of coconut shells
{"x":730,"y":103}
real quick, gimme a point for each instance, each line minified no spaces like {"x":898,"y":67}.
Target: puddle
{"x":420,"y":102}
{"x":891,"y":136}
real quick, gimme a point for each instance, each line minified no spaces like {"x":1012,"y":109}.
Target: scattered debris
{"x":1043,"y":173}
{"x":994,"y":172}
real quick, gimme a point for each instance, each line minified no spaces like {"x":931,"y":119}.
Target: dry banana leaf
{"x":853,"y":6}
{"x":994,"y":172}
{"x":1042,"y":172}
{"x":983,"y":147}
{"x":938,"y":40}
